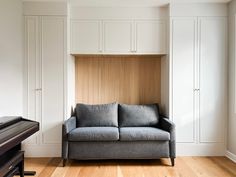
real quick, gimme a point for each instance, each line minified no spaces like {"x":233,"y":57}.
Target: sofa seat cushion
{"x":94,"y":134}
{"x":138,"y":115}
{"x":103,"y":115}
{"x":143,"y":134}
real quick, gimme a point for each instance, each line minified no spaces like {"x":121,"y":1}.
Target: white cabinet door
{"x":86,"y":37}
{"x":150,"y":37}
{"x":183,"y":58}
{"x":117,"y":37}
{"x":212,"y":78}
{"x":33,"y":85}
{"x":53,"y":53}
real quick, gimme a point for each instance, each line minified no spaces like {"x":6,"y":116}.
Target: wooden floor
{"x":185,"y":167}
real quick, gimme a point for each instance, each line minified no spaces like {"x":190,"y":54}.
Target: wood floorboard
{"x":185,"y":167}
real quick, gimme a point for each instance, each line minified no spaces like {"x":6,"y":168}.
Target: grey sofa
{"x":118,"y":131}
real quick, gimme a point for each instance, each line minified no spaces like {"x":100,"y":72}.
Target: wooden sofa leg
{"x":64,"y":162}
{"x":172,"y":161}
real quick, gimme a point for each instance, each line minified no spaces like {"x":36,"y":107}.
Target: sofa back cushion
{"x":104,"y":115}
{"x":138,"y":115}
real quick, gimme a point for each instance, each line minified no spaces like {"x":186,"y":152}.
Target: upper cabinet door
{"x":150,"y":37}
{"x":85,"y":37}
{"x":117,"y":36}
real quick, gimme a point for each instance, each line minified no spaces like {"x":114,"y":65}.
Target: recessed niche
{"x":125,"y":79}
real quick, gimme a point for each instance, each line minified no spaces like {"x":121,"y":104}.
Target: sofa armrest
{"x":167,"y":125}
{"x":67,"y":126}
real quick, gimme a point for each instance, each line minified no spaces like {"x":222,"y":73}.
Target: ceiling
{"x":129,"y":2}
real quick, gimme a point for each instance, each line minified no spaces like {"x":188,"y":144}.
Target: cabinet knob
{"x":196,"y":89}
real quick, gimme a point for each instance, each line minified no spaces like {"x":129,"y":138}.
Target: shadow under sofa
{"x":117,"y":131}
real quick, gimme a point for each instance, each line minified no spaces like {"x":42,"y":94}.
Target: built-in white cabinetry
{"x":45,"y":42}
{"x":193,"y":71}
{"x":118,"y":37}
{"x":198,"y":79}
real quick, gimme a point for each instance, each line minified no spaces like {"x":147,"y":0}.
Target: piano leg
{"x":21,"y":168}
{"x":23,"y":173}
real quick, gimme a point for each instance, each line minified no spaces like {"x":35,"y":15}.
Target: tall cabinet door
{"x":45,"y":41}
{"x":183,"y":58}
{"x":212,"y":39}
{"x":53,"y":48}
{"x":33,"y":85}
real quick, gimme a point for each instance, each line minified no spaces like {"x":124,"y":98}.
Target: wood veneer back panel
{"x":125,"y":79}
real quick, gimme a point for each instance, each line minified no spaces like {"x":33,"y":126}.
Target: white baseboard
{"x":231,"y":156}
{"x":202,"y":149}
{"x":45,"y":150}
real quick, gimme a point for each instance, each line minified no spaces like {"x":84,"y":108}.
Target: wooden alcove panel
{"x":125,"y":79}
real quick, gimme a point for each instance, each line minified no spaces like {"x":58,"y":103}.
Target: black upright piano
{"x":13,"y":130}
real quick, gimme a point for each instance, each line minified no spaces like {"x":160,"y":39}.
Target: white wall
{"x":11,"y":57}
{"x":70,"y":72}
{"x":231,"y":142}
{"x":70,"y":85}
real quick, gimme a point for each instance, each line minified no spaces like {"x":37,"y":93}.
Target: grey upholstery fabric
{"x":116,"y":149}
{"x":119,"y":150}
{"x":138,"y":115}
{"x":143,"y":134}
{"x":167,"y":125}
{"x":94,"y":134}
{"x":68,"y":126}
{"x":97,"y":115}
